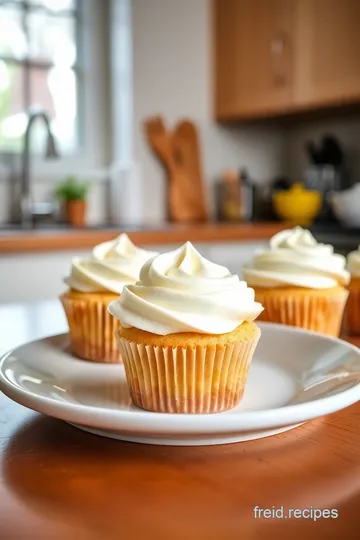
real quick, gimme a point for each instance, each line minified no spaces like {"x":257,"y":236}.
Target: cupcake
{"x":186,"y":334}
{"x":353,"y":304}
{"x":300,"y":282}
{"x":93,"y":283}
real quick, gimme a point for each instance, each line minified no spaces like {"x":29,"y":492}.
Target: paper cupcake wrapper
{"x":92,"y":329}
{"x":187,"y":380}
{"x":320,"y":313}
{"x":352,"y":314}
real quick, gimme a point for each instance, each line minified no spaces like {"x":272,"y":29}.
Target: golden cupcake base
{"x":91,"y":327}
{"x":318,"y":310}
{"x":187,"y":373}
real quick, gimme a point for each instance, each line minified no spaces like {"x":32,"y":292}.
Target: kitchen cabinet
{"x":274,"y":57}
{"x":327,"y":66}
{"x":252,"y":57}
{"x":35,"y":277}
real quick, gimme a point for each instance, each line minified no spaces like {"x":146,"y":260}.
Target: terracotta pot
{"x":75,"y":213}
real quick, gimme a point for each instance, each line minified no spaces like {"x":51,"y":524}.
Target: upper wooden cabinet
{"x":274,"y":57}
{"x":252,"y":56}
{"x":327,"y":64}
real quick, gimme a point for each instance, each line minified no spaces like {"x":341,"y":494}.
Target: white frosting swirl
{"x":295,"y":258}
{"x":181,"y":291}
{"x":353,"y":262}
{"x":111,"y":266}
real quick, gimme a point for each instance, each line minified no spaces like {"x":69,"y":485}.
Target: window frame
{"x":92,"y":42}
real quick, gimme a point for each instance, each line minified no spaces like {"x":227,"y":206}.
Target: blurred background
{"x":180,"y":111}
{"x":252,"y":74}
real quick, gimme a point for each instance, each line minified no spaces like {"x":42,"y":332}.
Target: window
{"x":39,"y":68}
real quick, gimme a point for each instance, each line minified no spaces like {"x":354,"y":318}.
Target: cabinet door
{"x":328,"y":61}
{"x":253,"y":57}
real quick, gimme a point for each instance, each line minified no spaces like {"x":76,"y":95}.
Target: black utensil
{"x":281,"y":183}
{"x":314,"y":153}
{"x":332,"y":151}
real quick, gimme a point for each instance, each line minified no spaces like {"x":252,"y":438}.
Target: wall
{"x":172,"y":60}
{"x":346,"y":128}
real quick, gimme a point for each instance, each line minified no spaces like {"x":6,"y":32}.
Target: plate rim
{"x":126,"y":419}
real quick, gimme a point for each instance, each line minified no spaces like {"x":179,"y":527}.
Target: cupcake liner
{"x":92,"y":328}
{"x":320,"y":313}
{"x":352,"y":314}
{"x":187,"y":379}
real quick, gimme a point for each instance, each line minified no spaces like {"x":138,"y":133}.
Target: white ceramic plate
{"x":295,"y":376}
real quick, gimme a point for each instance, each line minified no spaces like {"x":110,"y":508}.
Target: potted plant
{"x":73,"y":193}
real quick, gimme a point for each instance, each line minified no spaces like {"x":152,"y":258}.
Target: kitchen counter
{"x":57,"y":239}
{"x":58,"y":482}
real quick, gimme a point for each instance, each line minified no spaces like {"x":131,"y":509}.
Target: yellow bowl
{"x":297,"y":206}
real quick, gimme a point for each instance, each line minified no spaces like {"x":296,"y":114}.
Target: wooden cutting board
{"x":185,"y":201}
{"x":186,"y":144}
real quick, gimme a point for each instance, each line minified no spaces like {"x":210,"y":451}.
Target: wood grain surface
{"x":185,"y":199}
{"x":187,"y":147}
{"x":37,"y":241}
{"x":59,"y":483}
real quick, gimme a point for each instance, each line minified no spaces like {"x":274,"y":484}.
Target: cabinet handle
{"x":279,"y":53}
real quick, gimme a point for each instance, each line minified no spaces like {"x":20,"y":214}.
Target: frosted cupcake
{"x":353,"y":304}
{"x":300,"y":282}
{"x":187,"y":334}
{"x":93,"y":283}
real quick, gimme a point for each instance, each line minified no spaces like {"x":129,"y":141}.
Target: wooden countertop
{"x":58,"y":482}
{"x":68,"y":239}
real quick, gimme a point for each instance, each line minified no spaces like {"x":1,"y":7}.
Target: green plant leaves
{"x":71,"y":189}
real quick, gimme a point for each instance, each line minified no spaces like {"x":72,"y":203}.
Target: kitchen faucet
{"x":27,"y":209}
